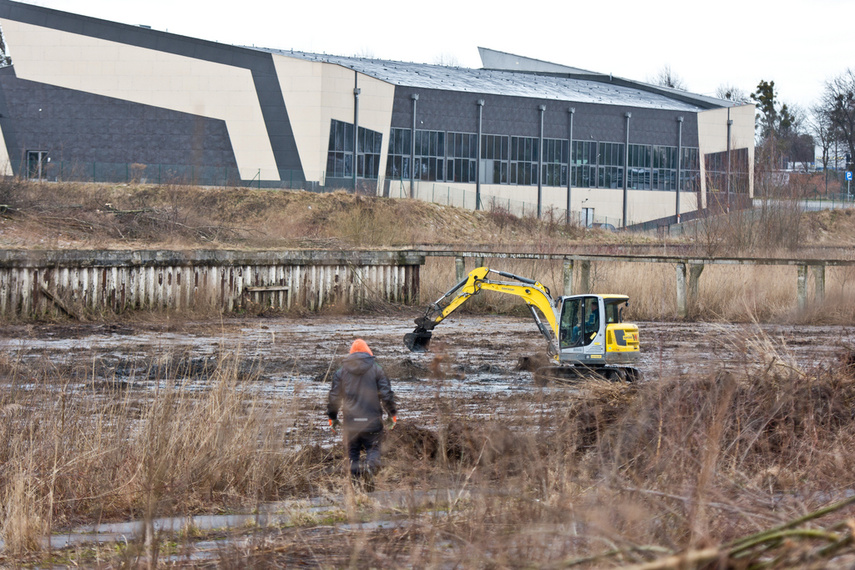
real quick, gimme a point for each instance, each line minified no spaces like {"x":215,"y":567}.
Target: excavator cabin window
{"x":580,"y":322}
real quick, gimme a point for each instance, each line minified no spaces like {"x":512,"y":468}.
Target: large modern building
{"x":91,"y":99}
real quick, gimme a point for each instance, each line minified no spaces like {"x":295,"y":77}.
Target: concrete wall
{"x":84,"y":282}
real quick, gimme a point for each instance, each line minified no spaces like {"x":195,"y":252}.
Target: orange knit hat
{"x":360,"y":345}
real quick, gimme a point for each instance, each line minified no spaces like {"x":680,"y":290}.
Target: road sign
{"x":848,"y":175}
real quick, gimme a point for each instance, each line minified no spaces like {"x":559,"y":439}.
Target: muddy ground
{"x":474,"y":360}
{"x":472,"y":371}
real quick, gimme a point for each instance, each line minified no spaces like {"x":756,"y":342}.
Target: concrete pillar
{"x":584,"y":277}
{"x":802,"y":287}
{"x":568,"y":276}
{"x":460,"y":268}
{"x":819,"y":282}
{"x":682,"y":304}
{"x":479,"y":262}
{"x":695,"y":270}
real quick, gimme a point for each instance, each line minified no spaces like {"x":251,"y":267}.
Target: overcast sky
{"x":798,"y":44}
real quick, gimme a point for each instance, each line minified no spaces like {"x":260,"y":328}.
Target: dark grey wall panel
{"x":457,"y":111}
{"x":83,"y":128}
{"x":259,"y":63}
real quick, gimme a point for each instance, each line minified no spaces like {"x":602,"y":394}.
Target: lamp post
{"x":571,"y":111}
{"x":679,"y":162}
{"x":415,"y":98}
{"x":480,"y":103}
{"x":542,"y":109}
{"x":628,"y":116}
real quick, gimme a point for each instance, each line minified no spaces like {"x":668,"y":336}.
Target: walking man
{"x":361,"y":390}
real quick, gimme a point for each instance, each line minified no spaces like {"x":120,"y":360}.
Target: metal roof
{"x":560,"y":87}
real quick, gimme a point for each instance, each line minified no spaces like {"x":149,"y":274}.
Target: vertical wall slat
{"x":142,"y":284}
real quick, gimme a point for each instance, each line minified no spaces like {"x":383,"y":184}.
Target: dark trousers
{"x":370,"y":442}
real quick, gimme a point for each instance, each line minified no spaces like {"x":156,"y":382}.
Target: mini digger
{"x":586,"y":336}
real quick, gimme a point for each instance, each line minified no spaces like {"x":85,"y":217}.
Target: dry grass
{"x":91,"y":451}
{"x":613,"y":473}
{"x":65,"y":215}
{"x":725,"y":294}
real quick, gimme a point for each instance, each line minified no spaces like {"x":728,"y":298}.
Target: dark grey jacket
{"x":358,"y":388}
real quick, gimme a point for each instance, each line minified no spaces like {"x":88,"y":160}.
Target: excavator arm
{"x":535,"y":295}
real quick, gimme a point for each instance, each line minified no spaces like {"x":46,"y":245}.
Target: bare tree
{"x":732,"y":93}
{"x":447,"y":59}
{"x":822,"y":128}
{"x":838,"y":100}
{"x":5,"y":60}
{"x":667,"y":78}
{"x":365,"y":53}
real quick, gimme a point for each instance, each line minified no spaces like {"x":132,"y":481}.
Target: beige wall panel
{"x":315,"y":93}
{"x":302,"y":86}
{"x":644,"y":205}
{"x":148,"y":77}
{"x":712,"y":137}
{"x":5,"y":163}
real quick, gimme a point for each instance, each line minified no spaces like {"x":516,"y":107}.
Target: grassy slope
{"x":68,"y":215}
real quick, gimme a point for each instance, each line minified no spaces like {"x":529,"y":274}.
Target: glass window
{"x":716,"y":165}
{"x":580,"y":322}
{"x":524,"y":160}
{"x":584,"y":159}
{"x":690,"y":173}
{"x":494,"y":159}
{"x":340,"y":152}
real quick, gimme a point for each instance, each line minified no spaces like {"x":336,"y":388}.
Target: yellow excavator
{"x":585,"y":334}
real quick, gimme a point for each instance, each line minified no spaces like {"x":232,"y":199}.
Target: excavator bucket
{"x":418,"y":340}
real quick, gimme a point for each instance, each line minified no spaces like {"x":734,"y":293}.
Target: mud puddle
{"x":468,"y":353}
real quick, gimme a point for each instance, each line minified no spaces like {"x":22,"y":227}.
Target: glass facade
{"x":610,"y":171}
{"x":524,"y":159}
{"x":555,"y":162}
{"x":494,"y":159}
{"x":462,"y":153}
{"x":716,"y":171}
{"x":430,"y":155}
{"x":584,"y":174}
{"x":451,"y":157}
{"x":340,"y":151}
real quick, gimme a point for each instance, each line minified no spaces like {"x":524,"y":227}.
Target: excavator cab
{"x":591,"y":331}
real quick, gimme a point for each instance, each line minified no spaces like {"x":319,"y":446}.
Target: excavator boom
{"x":535,"y":295}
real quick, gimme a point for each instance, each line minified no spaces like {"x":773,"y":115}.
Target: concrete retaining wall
{"x":34,"y":283}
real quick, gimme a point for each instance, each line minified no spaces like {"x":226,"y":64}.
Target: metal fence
{"x":461,"y":198}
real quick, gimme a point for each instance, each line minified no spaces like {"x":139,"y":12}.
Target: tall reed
{"x":81,"y":449}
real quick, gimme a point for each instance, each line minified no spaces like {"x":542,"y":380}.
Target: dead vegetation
{"x":746,"y":466}
{"x":72,"y":215}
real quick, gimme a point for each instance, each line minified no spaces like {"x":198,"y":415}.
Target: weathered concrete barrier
{"x":689,"y":270}
{"x":36,"y":283}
